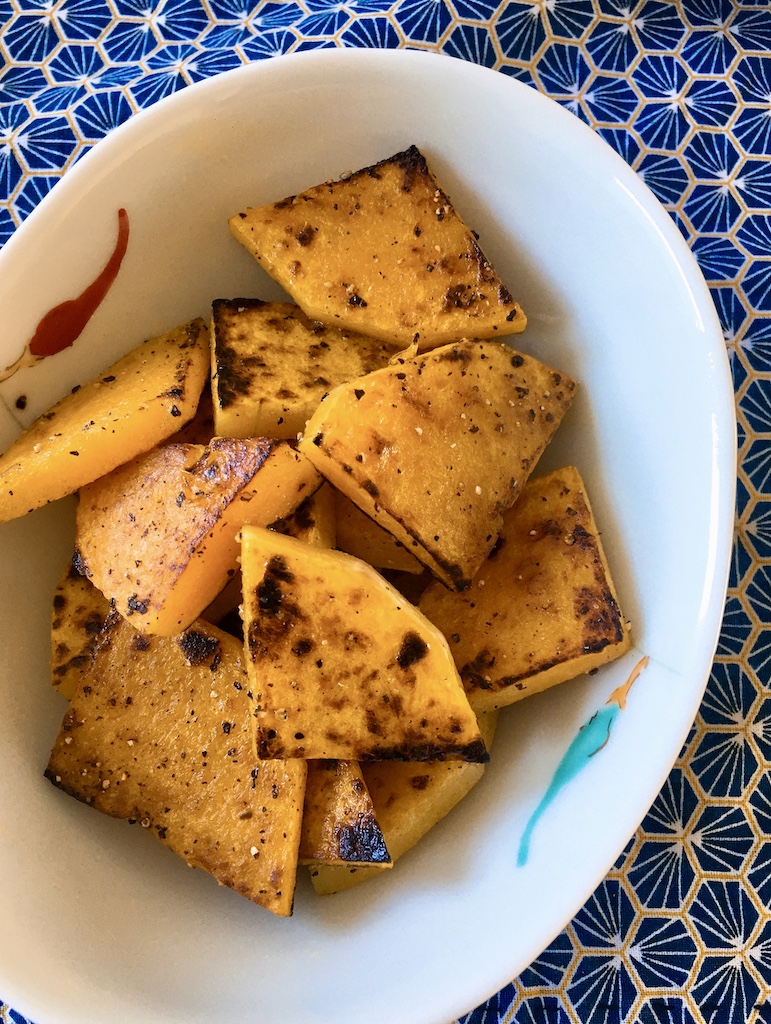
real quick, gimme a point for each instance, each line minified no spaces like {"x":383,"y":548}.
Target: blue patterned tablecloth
{"x":680,"y":930}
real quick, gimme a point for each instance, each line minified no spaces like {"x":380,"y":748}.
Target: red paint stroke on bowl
{"x":62,"y":325}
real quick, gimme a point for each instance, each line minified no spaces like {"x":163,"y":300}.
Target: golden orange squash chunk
{"x":159,"y":733}
{"x":408,"y":799}
{"x":339,"y":821}
{"x":543,"y":608}
{"x":435,"y":447}
{"x":361,"y":536}
{"x":159,"y":535}
{"x":271,"y":365}
{"x":79,"y":611}
{"x":340,"y":665}
{"x":384,"y":252}
{"x":137,"y":403}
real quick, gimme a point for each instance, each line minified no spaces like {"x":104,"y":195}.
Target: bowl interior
{"x":96,"y":914}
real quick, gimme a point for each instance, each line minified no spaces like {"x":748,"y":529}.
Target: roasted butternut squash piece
{"x":435,"y":447}
{"x":340,"y":665}
{"x":271,"y":365}
{"x":408,"y":799}
{"x":79,"y":611}
{"x":159,"y":733}
{"x":361,"y":536}
{"x":384,"y":252}
{"x":313,"y":521}
{"x":543,"y":608}
{"x":339,"y":822}
{"x":159,"y":535}
{"x":137,"y":403}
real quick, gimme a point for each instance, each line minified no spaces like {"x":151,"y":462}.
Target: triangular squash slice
{"x":435,"y":447}
{"x":384,"y":252}
{"x":339,"y":822}
{"x":341,"y":666}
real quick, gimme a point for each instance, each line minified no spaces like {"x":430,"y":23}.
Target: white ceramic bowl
{"x":98,"y":921}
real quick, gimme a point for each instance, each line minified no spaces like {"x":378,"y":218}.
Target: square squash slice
{"x":436,"y":446}
{"x":543,"y":608}
{"x":341,"y":665}
{"x":159,"y":535}
{"x":159,"y":733}
{"x":132,"y":406}
{"x":271,"y":366}
{"x":382,"y":251}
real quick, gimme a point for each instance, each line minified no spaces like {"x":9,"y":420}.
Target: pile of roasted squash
{"x":310,"y":560}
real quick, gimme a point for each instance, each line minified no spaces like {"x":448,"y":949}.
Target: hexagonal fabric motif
{"x":721,"y":839}
{"x":472,"y":42}
{"x":752,"y":30}
{"x":731,"y":310}
{"x":752,"y":129}
{"x":663,"y":952}
{"x":752,"y":77}
{"x":741,"y":561}
{"x":605,"y":919}
{"x":761,"y":729}
{"x":47,"y":144}
{"x":100,"y":113}
{"x":31,"y":37}
{"x":665,"y":175}
{"x":660,"y":26}
{"x":711,"y":103}
{"x":19,"y":83}
{"x":760,"y":955}
{"x":85,"y":20}
{"x":613,"y":46}
{"x":422,"y":21}
{"x":711,"y":208}
{"x":673,"y":808}
{"x":611,"y":100}
{"x":709,"y":51}
{"x":520,"y":31}
{"x":757,"y":285}
{"x":755,"y":406}
{"x":494,"y":1009}
{"x":662,"y":873}
{"x":371,"y":32}
{"x":719,"y":258}
{"x":760,"y":806}
{"x":723,"y":914}
{"x":728,"y":699}
{"x":756,"y":463}
{"x":759,"y":873}
{"x":563,"y":71}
